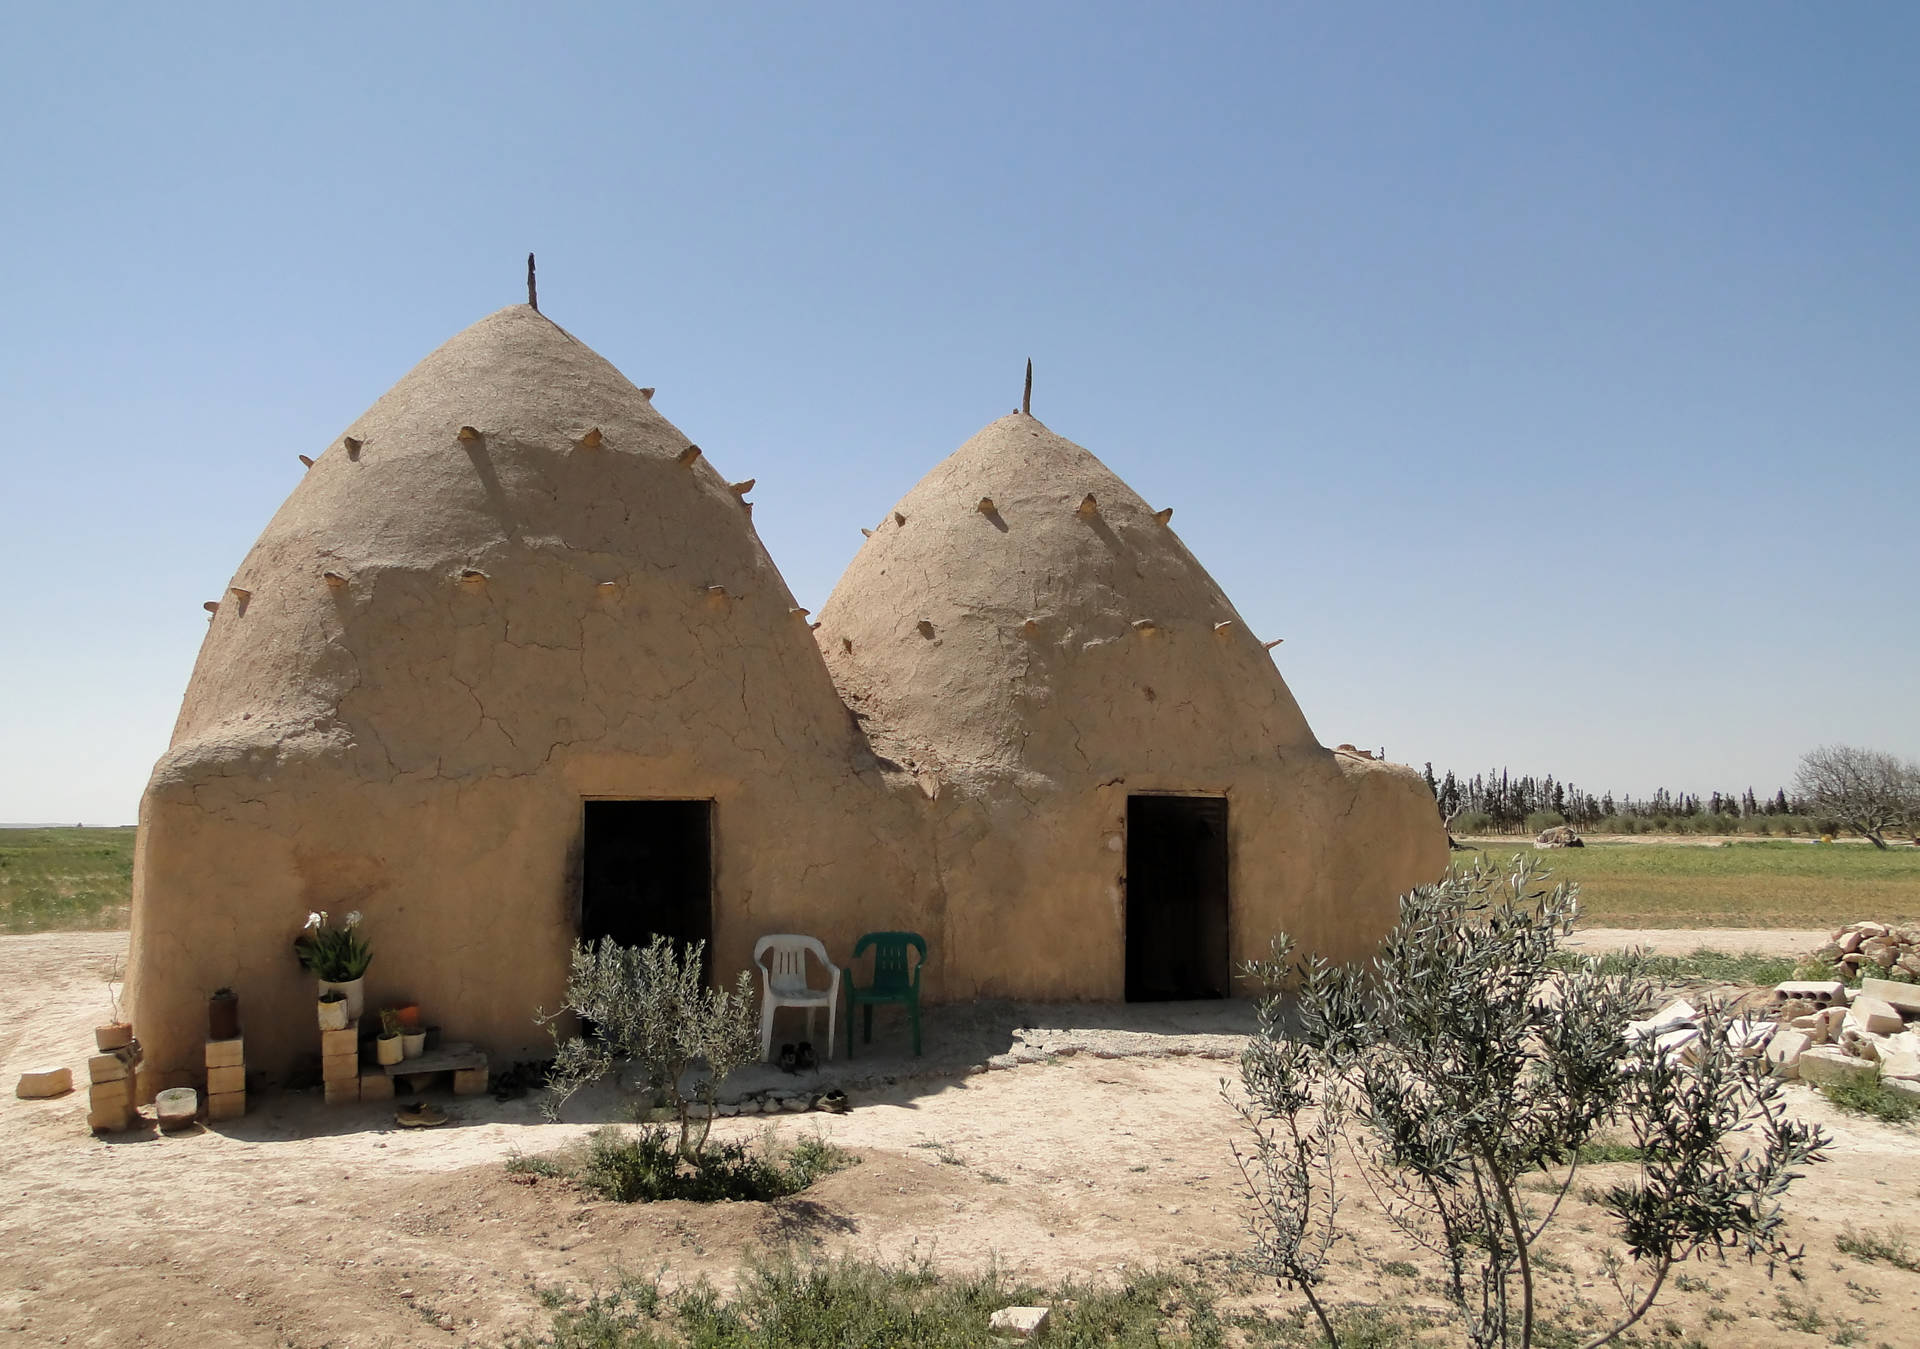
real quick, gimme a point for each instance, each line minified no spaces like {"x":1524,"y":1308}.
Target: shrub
{"x":651,"y":1009}
{"x":1473,"y":1053}
{"x":1542,"y":820}
{"x":1473,"y":822}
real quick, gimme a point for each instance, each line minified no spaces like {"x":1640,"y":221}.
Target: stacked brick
{"x":226,"y":1079}
{"x":110,"y":1107}
{"x":340,"y":1064}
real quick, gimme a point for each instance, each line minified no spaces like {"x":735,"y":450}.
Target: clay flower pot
{"x":413,"y":1043}
{"x":355,"y":989}
{"x":223,"y":1015}
{"x":409,"y":1014}
{"x":333,"y":1015}
{"x":388,"y":1050}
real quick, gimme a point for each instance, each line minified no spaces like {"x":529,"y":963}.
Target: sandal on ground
{"x":833,"y":1102}
{"x":420,"y":1115}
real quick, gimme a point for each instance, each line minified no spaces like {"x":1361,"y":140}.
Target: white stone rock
{"x":1821,"y":992}
{"x":1898,"y":1060}
{"x":1684,"y":1042}
{"x":1825,"y":1064}
{"x":1874,"y":1016}
{"x":795,"y":1104}
{"x":1784,"y":1050}
{"x":1670,"y":1017}
{"x":1836,"y":1018}
{"x":39,"y":1083}
{"x":1904,"y":1085}
{"x":1022,"y":1321}
{"x":1901,"y":997}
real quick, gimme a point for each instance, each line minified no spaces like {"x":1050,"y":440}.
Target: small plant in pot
{"x":389,"y":1049}
{"x":114,"y":1033}
{"x":333,"y":1010}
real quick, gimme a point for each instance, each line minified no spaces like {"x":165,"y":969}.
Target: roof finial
{"x":533,"y":295}
{"x":1026,"y":399}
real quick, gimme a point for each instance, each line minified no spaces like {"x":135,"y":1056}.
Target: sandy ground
{"x":308,"y":1226}
{"x":1684,"y":941}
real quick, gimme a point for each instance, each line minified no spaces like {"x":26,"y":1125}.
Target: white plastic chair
{"x":784,"y":984}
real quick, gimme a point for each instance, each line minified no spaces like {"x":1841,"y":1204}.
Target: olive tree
{"x":1471,"y":1054}
{"x":650,"y":1008}
{"x":1868,"y":790}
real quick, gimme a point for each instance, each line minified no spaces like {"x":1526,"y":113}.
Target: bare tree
{"x":1868,"y":790}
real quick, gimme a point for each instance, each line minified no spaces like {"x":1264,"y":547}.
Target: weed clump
{"x":645,"y":1166}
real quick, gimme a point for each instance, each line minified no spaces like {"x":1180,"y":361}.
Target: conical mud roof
{"x":510,"y":550}
{"x":1023,"y":610}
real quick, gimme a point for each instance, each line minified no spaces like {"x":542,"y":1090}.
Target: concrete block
{"x":1025,"y":1322}
{"x":1784,"y":1051}
{"x":107,"y":1068}
{"x":343,"y":1093}
{"x":346,"y":1041}
{"x":226,"y":1053}
{"x":1669,"y":1018}
{"x":226,"y":1105}
{"x":1901,"y":997}
{"x":39,"y":1083}
{"x":1874,"y":1016}
{"x":107,"y":1095}
{"x":1905,"y":1086}
{"x":1685,"y":1042}
{"x":469,"y":1081}
{"x":1824,"y":1064}
{"x":225,"y":1081}
{"x":376,"y":1087}
{"x":112,"y":1120}
{"x":340,"y":1068}
{"x":1820,"y":992}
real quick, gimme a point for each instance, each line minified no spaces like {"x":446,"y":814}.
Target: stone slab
{"x":1905,"y":1086}
{"x":227,"y":1053}
{"x":1025,"y":1322}
{"x":1901,"y":997}
{"x":113,"y":1120}
{"x":226,"y":1105}
{"x":36,"y":1084}
{"x":107,"y":1068}
{"x":342,"y":1093}
{"x":469,"y":1081}
{"x":1874,"y":1016}
{"x":1784,"y":1051}
{"x":226,"y":1081}
{"x":106,"y":1095}
{"x":448,"y":1058}
{"x":340,"y":1068}
{"x":1824,"y":1065}
{"x":376,"y":1087}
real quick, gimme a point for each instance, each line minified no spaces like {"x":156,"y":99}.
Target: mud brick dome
{"x":510,"y":666}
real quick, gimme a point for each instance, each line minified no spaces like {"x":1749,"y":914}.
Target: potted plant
{"x":115,"y":1034}
{"x":388,"y":1049}
{"x":413,"y":1035}
{"x":333,"y":1010}
{"x":336,"y":956}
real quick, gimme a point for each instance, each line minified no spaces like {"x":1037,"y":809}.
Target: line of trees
{"x":1836,"y":788}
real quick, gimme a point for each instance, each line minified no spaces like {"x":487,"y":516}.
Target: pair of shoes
{"x":789,"y":1059}
{"x":420,"y":1115}
{"x":833,"y":1102}
{"x":803,"y":1057}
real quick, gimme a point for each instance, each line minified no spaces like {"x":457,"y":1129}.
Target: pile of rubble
{"x":1813,"y":1030}
{"x":1866,"y":947}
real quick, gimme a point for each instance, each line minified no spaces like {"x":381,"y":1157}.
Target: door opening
{"x":648,"y":871}
{"x":1176,"y":898}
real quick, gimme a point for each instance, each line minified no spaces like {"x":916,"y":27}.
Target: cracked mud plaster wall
{"x":520,"y":620}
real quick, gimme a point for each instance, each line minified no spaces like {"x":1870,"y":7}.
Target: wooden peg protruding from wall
{"x":334,"y":580}
{"x":898,"y":518}
{"x":1088,"y":507}
{"x":865,"y":533}
{"x":1145,"y":625}
{"x":986,"y":506}
{"x":353,"y":443}
{"x":1225,"y":626}
{"x":469,"y":433}
{"x":1164,"y":514}
{"x":473,"y":576}
{"x":308,"y":462}
{"x":686,"y":457}
{"x":740,"y":489}
{"x":211,"y":606}
{"x":647,"y":394}
{"x":591,"y":440}
{"x":925,"y":627}
{"x":1268,"y":646}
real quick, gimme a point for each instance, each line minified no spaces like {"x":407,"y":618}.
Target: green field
{"x":75,"y":880}
{"x":79,"y":879}
{"x":1760,"y":884}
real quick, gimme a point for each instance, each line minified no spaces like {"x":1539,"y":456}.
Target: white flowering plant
{"x":336,"y":955}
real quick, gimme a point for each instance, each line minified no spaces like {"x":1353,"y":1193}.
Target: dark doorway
{"x":647,"y":871}
{"x":1176,"y":898}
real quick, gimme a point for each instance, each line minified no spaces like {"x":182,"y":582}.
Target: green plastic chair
{"x":894,"y":981}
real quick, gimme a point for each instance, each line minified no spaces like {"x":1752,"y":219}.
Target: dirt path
{"x":305,"y":1226}
{"x":1684,"y":941}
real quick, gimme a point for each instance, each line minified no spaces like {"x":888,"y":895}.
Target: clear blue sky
{"x":1545,"y":374}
